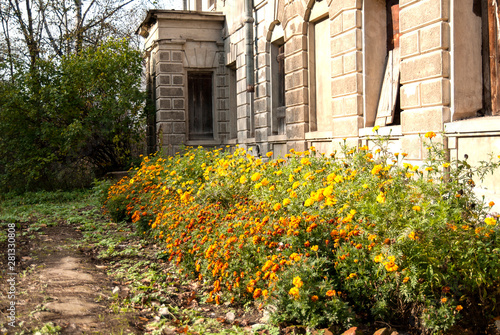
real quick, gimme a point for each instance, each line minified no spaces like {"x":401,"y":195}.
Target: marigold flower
{"x":443,"y":300}
{"x":416,"y":208}
{"x":257,"y":293}
{"x":314,"y":248}
{"x":376,"y":169}
{"x":297,"y":281}
{"x":391,"y":266}
{"x":376,"y":128}
{"x":379,"y":258}
{"x":330,"y":293}
{"x":491,"y":204}
{"x":490,"y":221}
{"x":277,"y":207}
{"x":459,"y":308}
{"x":269,"y":154}
{"x":294,"y":291}
{"x":314,"y":298}
{"x":406,"y":279}
{"x":308,"y":202}
{"x":256,"y":176}
{"x":286,"y":202}
{"x":412,"y":236}
{"x":381,"y":197}
{"x":430,"y":134}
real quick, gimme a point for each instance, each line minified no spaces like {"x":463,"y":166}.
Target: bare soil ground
{"x":97,"y":277}
{"x":58,"y":284}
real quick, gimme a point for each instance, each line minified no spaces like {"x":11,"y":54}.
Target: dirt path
{"x":59,"y":289}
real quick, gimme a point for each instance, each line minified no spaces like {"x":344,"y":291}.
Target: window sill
{"x":481,"y":125}
{"x":277,"y":138}
{"x":384,"y":131}
{"x":319,"y":135}
{"x":195,"y":143}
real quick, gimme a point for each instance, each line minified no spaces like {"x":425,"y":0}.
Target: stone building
{"x":273,"y":75}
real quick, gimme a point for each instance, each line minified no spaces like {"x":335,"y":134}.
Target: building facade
{"x":273,"y":75}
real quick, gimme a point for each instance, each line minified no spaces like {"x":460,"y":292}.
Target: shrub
{"x":360,"y":235}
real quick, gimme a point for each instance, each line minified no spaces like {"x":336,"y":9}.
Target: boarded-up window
{"x":278,"y":87}
{"x":200,"y":106}
{"x":233,"y":131}
{"x":323,"y":77}
{"x":388,"y":111}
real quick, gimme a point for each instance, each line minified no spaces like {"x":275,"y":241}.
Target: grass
{"x":130,"y":257}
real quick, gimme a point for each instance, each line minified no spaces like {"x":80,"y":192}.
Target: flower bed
{"x":326,"y":240}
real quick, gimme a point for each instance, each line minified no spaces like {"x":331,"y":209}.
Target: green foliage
{"x":69,"y":120}
{"x":361,"y":236}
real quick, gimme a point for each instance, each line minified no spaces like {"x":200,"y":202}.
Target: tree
{"x":50,"y":29}
{"x":84,"y":110}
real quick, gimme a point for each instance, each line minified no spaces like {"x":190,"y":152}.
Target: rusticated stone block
{"x":171,"y":92}
{"x":434,"y":37}
{"x":178,"y":103}
{"x":296,"y":97}
{"x":430,"y":65}
{"x":172,"y":116}
{"x":435,"y":92}
{"x":423,"y":120}
{"x":296,"y":131}
{"x":347,"y":126}
{"x":171,"y":68}
{"x":349,"y":41}
{"x":348,"y":84}
{"x":410,"y":96}
{"x":423,"y":13}
{"x":178,"y":80}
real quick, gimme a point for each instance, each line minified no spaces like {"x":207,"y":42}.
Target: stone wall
{"x":332,"y":84}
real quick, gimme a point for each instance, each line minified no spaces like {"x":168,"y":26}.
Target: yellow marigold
{"x":430,"y":134}
{"x":297,"y":281}
{"x":413,"y":236}
{"x":286,"y":202}
{"x":308,"y":202}
{"x":379,"y":258}
{"x":391,"y":266}
{"x":491,"y":204}
{"x":416,"y":208}
{"x":490,"y":221}
{"x":376,"y":169}
{"x":330,"y":293}
{"x":445,"y":165}
{"x":265,"y":293}
{"x":381,"y":197}
{"x":294,"y":291}
{"x":305,"y":161}
{"x":256,"y":176}
{"x":269,"y":154}
{"x":314,"y":298}
{"x":314,"y":248}
{"x":265,"y":182}
{"x":243,"y":179}
{"x":406,"y":279}
{"x":376,"y":128}
{"x":257,"y":293}
{"x":277,"y":207}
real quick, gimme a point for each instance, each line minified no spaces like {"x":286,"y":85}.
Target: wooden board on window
{"x":389,"y":91}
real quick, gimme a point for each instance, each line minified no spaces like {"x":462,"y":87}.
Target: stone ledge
{"x":479,"y":125}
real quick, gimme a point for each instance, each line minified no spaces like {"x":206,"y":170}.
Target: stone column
{"x":296,"y":83}
{"x":347,"y":67}
{"x":170,"y":117}
{"x":425,"y":70}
